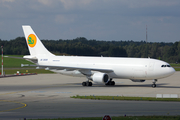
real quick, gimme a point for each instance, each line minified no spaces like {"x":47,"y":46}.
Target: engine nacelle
{"x":100,"y":77}
{"x":137,"y":80}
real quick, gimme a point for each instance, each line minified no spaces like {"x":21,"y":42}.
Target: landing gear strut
{"x":154,"y":83}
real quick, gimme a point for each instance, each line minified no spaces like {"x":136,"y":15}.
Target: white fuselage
{"x":127,"y":68}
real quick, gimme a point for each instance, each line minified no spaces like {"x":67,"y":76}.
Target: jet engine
{"x":137,"y":80}
{"x":100,"y":77}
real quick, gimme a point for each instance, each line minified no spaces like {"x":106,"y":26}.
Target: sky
{"x":93,"y":19}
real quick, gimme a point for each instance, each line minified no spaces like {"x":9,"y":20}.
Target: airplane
{"x":96,"y":69}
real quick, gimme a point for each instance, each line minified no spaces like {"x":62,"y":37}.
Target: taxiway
{"x":48,"y":96}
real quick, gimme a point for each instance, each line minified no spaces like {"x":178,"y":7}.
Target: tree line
{"x":80,"y":46}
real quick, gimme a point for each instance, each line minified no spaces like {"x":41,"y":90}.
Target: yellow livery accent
{"x":31,"y":40}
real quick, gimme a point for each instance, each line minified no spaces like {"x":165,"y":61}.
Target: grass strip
{"x":122,"y":118}
{"x":175,"y":65}
{"x":14,"y":62}
{"x":177,"y":69}
{"x":92,"y":97}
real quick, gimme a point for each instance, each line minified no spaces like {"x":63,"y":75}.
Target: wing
{"x":84,"y":71}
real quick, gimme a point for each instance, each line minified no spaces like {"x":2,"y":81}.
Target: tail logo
{"x":31,"y":40}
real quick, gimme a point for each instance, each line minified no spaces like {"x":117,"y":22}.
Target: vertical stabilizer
{"x":35,"y":46}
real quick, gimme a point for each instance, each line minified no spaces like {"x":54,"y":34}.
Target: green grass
{"x":122,"y":118}
{"x":125,"y":98}
{"x":14,"y":62}
{"x":177,"y":69}
{"x":175,"y":65}
{"x":12,"y":65}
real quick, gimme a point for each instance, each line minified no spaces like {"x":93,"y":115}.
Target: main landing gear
{"x":154,"y":83}
{"x":87,"y":83}
{"x":110,"y":82}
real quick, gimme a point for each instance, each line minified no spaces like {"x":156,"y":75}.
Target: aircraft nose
{"x":169,"y":72}
{"x":172,"y":71}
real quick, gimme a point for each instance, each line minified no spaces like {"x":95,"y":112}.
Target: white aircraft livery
{"x":96,"y":69}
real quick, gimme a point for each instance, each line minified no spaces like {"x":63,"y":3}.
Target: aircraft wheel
{"x":153,"y":85}
{"x":89,"y":83}
{"x":112,"y":83}
{"x":107,"y":83}
{"x":83,"y":83}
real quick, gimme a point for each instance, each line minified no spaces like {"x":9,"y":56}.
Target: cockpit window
{"x":165,"y":66}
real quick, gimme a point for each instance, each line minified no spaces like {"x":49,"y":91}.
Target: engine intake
{"x":100,"y":77}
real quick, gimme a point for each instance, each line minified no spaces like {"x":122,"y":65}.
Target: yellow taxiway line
{"x":24,"y":105}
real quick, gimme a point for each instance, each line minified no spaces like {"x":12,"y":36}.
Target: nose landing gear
{"x":154,"y":83}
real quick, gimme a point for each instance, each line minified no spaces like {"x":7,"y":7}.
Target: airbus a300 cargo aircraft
{"x":96,"y":69}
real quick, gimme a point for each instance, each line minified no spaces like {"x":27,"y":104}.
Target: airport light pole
{"x":2,"y":60}
{"x":146,"y":43}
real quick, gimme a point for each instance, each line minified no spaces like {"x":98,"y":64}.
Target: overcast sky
{"x":92,"y":19}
